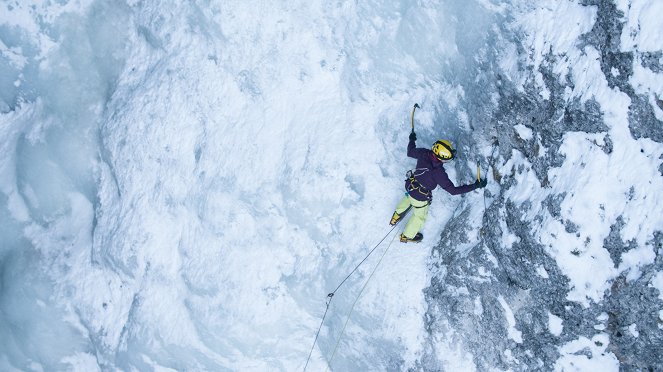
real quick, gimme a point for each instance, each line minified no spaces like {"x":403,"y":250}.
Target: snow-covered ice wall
{"x":183,"y":182}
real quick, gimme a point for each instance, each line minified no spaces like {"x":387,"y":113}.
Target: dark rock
{"x":642,"y":120}
{"x":605,"y":36}
{"x":614,"y":244}
{"x":652,"y":61}
{"x":468,"y":282}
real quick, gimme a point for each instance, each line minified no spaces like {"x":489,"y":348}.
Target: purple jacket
{"x":429,"y":174}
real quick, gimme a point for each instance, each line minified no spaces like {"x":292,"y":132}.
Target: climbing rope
{"x":338,"y":341}
{"x":330,"y":295}
{"x":365,"y":258}
{"x":317,"y":334}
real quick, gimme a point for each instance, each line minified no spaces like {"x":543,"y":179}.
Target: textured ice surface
{"x":182,"y":183}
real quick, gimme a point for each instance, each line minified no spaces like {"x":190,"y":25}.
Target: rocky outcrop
{"x":506,"y":305}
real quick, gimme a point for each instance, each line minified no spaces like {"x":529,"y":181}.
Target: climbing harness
{"x":415,"y":185}
{"x":330,"y":295}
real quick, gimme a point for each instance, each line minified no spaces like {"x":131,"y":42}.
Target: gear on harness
{"x":443,"y":150}
{"x":414,"y":185}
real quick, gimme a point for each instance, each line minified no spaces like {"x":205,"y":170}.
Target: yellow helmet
{"x":443,"y":150}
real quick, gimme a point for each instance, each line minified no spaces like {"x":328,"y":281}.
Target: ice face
{"x":174,"y":174}
{"x":182,"y":184}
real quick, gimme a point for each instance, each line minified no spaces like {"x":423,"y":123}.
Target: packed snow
{"x":555,"y":324}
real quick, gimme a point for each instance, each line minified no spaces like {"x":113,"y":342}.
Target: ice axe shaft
{"x":416,"y":106}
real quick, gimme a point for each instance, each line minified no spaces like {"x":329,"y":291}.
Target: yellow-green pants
{"x":418,"y":217}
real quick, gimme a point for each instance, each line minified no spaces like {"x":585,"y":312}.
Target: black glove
{"x":480,"y":184}
{"x":413,"y":136}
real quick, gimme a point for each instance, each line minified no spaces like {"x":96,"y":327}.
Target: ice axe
{"x":416,"y":106}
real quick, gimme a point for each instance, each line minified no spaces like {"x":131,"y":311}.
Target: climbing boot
{"x":417,"y":238}
{"x":397,"y":217}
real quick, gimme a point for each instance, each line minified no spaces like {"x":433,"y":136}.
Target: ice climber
{"x":421,"y":182}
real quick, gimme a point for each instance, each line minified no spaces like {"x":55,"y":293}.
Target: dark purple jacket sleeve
{"x":414,"y":152}
{"x":443,"y":180}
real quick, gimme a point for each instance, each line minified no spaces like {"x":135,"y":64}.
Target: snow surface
{"x":182,"y":183}
{"x":524,"y":132}
{"x":555,"y":324}
{"x":513,"y":333}
{"x":586,"y":354}
{"x":643,"y":27}
{"x":657,"y":282}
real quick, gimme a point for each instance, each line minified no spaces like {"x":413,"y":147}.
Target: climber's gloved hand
{"x":480,"y":184}
{"x":413,"y":136}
